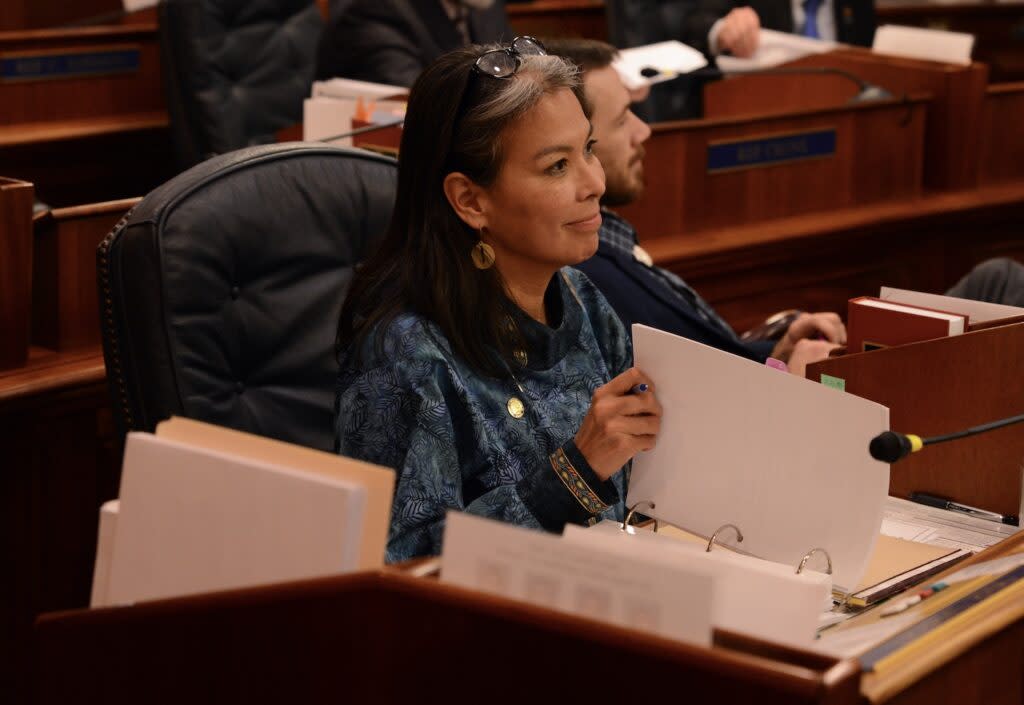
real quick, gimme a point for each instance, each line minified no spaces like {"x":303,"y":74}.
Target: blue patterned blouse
{"x":498,"y":448}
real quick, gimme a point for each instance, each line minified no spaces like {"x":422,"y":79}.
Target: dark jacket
{"x":392,"y":41}
{"x":855,"y":19}
{"x":638,"y":295}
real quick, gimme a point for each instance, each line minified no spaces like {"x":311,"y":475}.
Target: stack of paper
{"x":204,"y":508}
{"x":773,"y":49}
{"x":655,"y":63}
{"x":334,"y":104}
{"x":783,"y":458}
{"x":641,"y":592}
{"x":976,"y":311}
{"x":758,"y":598}
{"x":929,"y":44}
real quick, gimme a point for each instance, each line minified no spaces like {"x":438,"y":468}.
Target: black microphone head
{"x":889,"y":447}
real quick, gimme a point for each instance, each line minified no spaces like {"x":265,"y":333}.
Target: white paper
{"x":783,"y":458}
{"x":194,"y":520}
{"x":523,"y":564}
{"x":104,"y":551}
{"x":927,"y":44}
{"x":976,"y":311}
{"x":773,"y":49}
{"x":326,"y":117}
{"x":351,"y":89}
{"x":761,"y":599}
{"x":669,"y":58}
{"x":136,"y":5}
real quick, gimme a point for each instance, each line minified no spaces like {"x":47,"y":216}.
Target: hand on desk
{"x":739,"y":32}
{"x":809,"y":338}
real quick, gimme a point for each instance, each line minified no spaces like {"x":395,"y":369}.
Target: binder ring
{"x":803,"y":561}
{"x":632,"y":511}
{"x":714,"y":536}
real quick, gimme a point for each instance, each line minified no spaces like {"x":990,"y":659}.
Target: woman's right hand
{"x":619,"y":423}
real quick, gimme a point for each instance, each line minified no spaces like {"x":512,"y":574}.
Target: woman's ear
{"x":468,"y":200}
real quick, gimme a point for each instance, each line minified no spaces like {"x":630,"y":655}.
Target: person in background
{"x":639,"y":291}
{"x":494,"y":378}
{"x":734,"y":26}
{"x":392,"y":41}
{"x":998,"y":281}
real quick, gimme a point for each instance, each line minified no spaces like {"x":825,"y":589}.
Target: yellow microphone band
{"x":915,"y":443}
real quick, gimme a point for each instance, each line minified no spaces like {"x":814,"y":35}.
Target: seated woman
{"x":491,"y":377}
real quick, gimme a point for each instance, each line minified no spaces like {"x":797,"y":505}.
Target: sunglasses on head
{"x":504,"y":62}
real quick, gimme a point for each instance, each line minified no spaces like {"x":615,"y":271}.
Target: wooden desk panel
{"x":559,"y":18}
{"x":86,"y":138}
{"x":877,"y":157}
{"x":15,"y":270}
{"x":65,"y":309}
{"x":65,"y":98}
{"x":952,"y":132}
{"x":61,"y":461}
{"x":998,"y":27}
{"x":1002,"y":134}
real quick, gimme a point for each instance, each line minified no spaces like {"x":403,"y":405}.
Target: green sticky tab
{"x":834,"y":382}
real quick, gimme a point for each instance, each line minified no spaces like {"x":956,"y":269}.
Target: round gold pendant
{"x":515,"y":408}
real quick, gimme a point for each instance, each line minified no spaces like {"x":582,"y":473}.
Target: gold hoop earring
{"x":482,"y":255}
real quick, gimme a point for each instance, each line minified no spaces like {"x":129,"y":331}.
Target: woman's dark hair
{"x":454,"y":122}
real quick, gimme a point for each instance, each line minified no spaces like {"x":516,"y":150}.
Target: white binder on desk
{"x":782,"y":458}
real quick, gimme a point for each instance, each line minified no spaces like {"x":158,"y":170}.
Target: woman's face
{"x":542,"y":212}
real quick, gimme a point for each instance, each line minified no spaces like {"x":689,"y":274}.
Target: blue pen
{"x":638,"y":389}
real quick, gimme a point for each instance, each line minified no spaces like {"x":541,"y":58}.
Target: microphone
{"x":891,"y":446}
{"x":868,"y":91}
{"x":363,"y":130}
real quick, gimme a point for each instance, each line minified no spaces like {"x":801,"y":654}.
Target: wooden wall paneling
{"x":16,"y":199}
{"x":559,"y":18}
{"x":65,"y":310}
{"x":1002,"y":134}
{"x":878,"y":158}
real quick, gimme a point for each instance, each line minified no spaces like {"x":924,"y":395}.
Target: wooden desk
{"x":82,"y":112}
{"x":817,"y":262}
{"x":997,"y":26}
{"x":15,"y":270}
{"x":61,"y":460}
{"x":65,"y":309}
{"x":559,"y":18}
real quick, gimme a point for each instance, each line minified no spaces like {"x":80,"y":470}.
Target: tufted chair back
{"x":220,"y":291}
{"x":235,"y":70}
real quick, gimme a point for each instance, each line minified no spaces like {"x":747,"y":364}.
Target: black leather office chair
{"x":235,"y":71}
{"x":220,"y":290}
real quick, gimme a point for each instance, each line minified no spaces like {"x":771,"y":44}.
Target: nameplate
{"x":75,"y":64}
{"x":768,"y":151}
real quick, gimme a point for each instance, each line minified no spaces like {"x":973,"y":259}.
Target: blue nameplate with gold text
{"x":37,"y":67}
{"x":768,"y":151}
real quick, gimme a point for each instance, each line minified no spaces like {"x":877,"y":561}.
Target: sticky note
{"x":834,"y":382}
